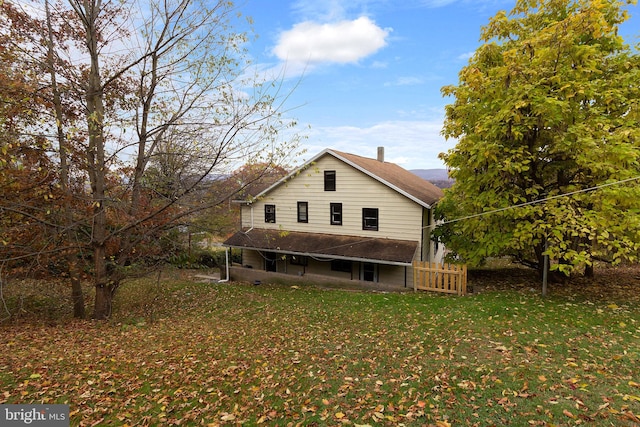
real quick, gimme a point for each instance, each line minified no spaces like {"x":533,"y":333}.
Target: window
{"x":370,"y":219}
{"x":341,"y":265}
{"x":369,"y":272}
{"x":270,"y":213}
{"x":303,"y":211}
{"x":271,"y":261}
{"x":329,"y":180}
{"x":298,"y":260}
{"x":336,"y":213}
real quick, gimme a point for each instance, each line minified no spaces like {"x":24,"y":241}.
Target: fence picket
{"x":447,"y":278}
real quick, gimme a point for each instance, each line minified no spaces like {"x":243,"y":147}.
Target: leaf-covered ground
{"x":186,"y":353}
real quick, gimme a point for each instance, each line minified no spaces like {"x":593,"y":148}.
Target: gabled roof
{"x":393,"y":176}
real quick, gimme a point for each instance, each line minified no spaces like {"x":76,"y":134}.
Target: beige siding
{"x":253,"y":259}
{"x":426,"y":236}
{"x":324,"y":268}
{"x":388,"y":274}
{"x":396,"y":275}
{"x":399,"y":217}
{"x":315,"y":266}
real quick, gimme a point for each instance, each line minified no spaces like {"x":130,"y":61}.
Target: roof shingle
{"x":395,"y":176}
{"x":390,"y":251}
{"x":410,"y":185}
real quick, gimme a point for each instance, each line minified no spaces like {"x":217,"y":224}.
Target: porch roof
{"x":354,"y":248}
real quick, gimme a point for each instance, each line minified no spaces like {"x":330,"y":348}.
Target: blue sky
{"x":369,"y":72}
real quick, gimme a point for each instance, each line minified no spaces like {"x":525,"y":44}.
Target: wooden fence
{"x":447,"y":278}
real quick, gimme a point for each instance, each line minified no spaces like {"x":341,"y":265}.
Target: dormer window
{"x":329,"y":180}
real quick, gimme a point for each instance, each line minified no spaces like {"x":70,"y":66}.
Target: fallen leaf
{"x":631,"y":416}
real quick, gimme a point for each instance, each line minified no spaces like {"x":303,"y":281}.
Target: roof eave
{"x":350,"y":163}
{"x":323,"y":256}
{"x":289,"y":176}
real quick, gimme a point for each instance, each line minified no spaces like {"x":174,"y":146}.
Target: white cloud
{"x":410,"y":144}
{"x":405,"y":81}
{"x":340,"y":42}
{"x":466,"y":56}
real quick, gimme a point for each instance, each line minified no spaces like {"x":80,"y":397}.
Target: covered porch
{"x":335,"y":257}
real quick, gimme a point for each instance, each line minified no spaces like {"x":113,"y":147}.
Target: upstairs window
{"x":336,"y":213}
{"x":329,"y":180}
{"x":270,"y":213}
{"x":303,"y":211}
{"x":370,"y":219}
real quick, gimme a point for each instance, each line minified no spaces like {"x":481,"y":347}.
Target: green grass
{"x":188,"y":353}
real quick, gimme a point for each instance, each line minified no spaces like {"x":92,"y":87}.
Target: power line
{"x":584,"y":190}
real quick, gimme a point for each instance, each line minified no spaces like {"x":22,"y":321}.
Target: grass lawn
{"x":180,"y":352}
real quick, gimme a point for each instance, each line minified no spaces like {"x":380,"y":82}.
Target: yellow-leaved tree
{"x":547,"y":117}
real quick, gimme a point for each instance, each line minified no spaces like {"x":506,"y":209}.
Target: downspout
{"x":227,"y":253}
{"x":226,"y":263}
{"x":250,"y":228}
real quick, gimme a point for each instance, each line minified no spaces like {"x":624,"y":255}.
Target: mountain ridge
{"x":438,"y":177}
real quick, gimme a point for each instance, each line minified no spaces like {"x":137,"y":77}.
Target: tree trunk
{"x":89,"y":12}
{"x":102,"y":309}
{"x":77,"y":297}
{"x":102,"y":304}
{"x":588,"y":271}
{"x":539,"y":251}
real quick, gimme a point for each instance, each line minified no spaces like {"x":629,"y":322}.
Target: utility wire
{"x":533,"y":202}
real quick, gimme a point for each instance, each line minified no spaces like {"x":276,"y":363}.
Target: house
{"x":339,"y":218}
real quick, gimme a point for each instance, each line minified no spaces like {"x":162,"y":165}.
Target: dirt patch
{"x":620,"y":283}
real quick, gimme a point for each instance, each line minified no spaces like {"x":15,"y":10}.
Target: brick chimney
{"x":381,"y":154}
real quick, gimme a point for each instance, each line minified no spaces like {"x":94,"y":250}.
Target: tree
{"x":27,"y":180}
{"x":547,"y":106}
{"x":166,"y":111}
{"x":44,"y":196}
{"x":62,"y":114}
{"x":188,"y":76}
{"x":245,"y":182}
